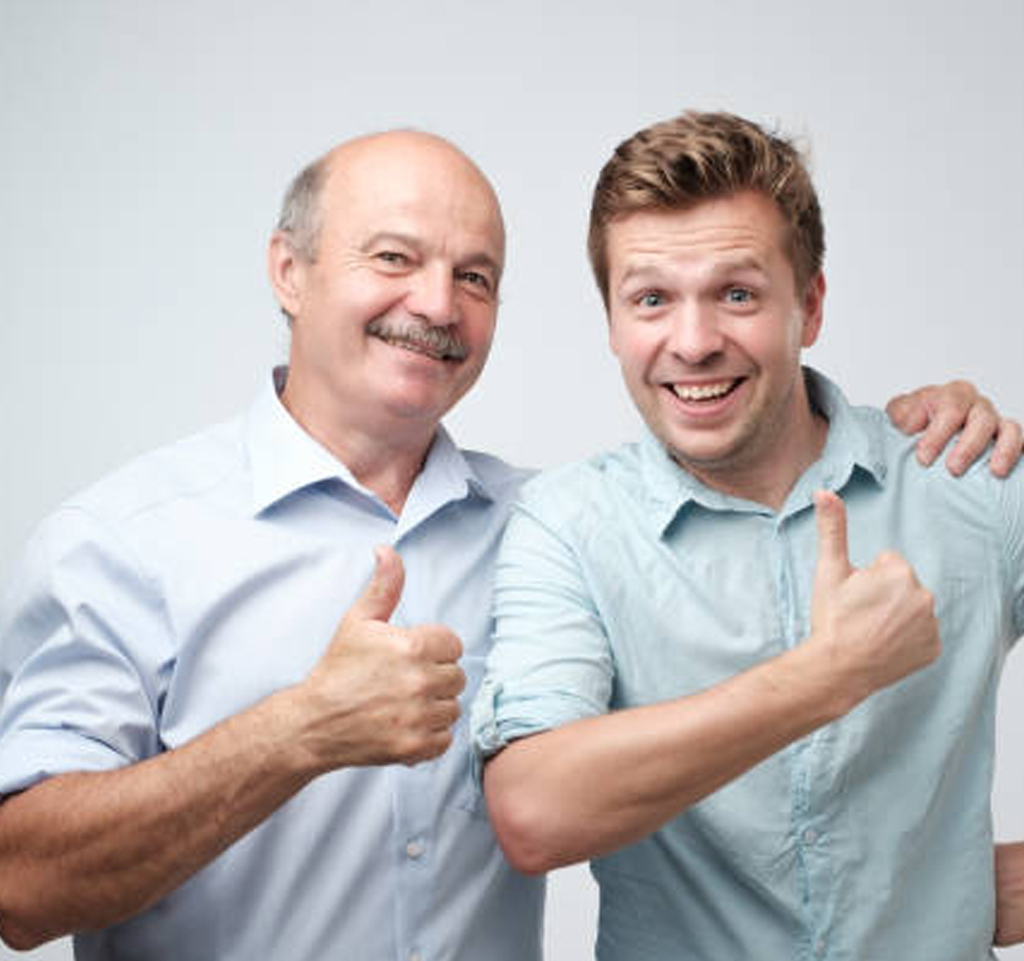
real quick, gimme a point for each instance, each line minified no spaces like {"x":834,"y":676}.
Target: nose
{"x":432,"y":295}
{"x":695,"y":336}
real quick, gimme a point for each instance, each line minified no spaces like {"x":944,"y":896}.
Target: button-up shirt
{"x":625,"y":581}
{"x":203,"y":577}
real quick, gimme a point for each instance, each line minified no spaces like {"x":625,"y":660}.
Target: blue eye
{"x":739,"y":295}
{"x":392,"y":257}
{"x":651,"y":299}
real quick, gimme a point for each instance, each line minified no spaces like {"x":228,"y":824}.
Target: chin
{"x":710,"y":455}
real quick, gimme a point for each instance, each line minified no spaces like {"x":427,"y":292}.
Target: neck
{"x":766,"y":485}
{"x":768,"y":468}
{"x":384,"y":457}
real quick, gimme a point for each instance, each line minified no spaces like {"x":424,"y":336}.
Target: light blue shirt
{"x":201,"y":578}
{"x":623,"y":581}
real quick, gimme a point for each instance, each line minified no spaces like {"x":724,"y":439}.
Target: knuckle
{"x":429,"y":747}
{"x":410,"y":746}
{"x":983,"y":409}
{"x":417,"y":684}
{"x":945,"y":420}
{"x":892,"y":562}
{"x":446,"y":641}
{"x":414,"y":644}
{"x":447,"y":714}
{"x":442,"y":742}
{"x":1011,"y":427}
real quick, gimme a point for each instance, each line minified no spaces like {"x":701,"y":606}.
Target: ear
{"x":813,"y":307}
{"x":287,"y":273}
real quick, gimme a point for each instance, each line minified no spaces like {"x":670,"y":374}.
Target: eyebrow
{"x":724,"y":266}
{"x":389,"y":236}
{"x":478,"y":259}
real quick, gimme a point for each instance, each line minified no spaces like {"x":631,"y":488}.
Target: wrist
{"x":811,"y":676}
{"x":285,"y":733}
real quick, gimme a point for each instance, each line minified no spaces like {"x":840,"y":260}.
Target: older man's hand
{"x":941,"y":411}
{"x":381,"y":694}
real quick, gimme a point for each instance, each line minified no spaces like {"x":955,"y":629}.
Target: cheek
{"x":776,"y":343}
{"x":635,"y":346}
{"x":365,"y":298}
{"x":477,"y":331}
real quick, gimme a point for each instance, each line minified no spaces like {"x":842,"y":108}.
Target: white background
{"x":144,"y":147}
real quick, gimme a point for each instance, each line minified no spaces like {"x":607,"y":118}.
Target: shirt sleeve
{"x":551,"y":662}
{"x":83,"y":636}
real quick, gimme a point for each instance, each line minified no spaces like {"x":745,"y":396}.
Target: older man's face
{"x":394,"y":318}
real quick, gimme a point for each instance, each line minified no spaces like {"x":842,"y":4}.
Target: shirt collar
{"x":853,"y":443}
{"x":285,"y":459}
{"x":855,"y":437}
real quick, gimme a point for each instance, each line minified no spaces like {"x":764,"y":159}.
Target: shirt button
{"x":819,"y":948}
{"x":810,"y":836}
{"x":415,"y":956}
{"x":414,"y":849}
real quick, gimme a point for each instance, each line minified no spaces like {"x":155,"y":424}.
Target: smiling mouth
{"x":704,"y":393}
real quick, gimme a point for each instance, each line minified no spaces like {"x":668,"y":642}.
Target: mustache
{"x":440,"y":342}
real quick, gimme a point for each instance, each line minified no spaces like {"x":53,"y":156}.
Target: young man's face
{"x":708,"y":325}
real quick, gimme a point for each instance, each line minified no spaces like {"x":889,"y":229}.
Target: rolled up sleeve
{"x":83,"y":635}
{"x":551,"y":662}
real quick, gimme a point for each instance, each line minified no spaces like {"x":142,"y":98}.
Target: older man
{"x":198,"y":760}
{"x":764,"y":754}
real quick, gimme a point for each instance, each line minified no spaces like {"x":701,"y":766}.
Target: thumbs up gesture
{"x":382,"y":694}
{"x":877,"y":624}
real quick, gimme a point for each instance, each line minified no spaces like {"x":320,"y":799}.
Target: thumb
{"x":381,"y":595}
{"x":833,"y":550}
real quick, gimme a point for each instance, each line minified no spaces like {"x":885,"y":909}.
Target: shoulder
{"x":183,"y":469}
{"x":976,"y":497}
{"x":501,"y":479}
{"x":105,"y":526}
{"x":585,"y":491}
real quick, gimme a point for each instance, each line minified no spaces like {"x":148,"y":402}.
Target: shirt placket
{"x":809,"y":826}
{"x":413,"y":849}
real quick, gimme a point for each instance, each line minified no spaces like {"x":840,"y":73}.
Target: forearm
{"x":1009,"y":893}
{"x":591,"y":787}
{"x":87,"y":850}
{"x":84,"y":850}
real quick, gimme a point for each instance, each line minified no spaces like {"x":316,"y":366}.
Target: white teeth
{"x":702,"y":391}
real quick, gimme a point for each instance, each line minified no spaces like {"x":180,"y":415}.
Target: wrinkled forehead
{"x":404,"y":181}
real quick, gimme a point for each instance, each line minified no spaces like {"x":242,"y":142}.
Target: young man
{"x":767,"y":751}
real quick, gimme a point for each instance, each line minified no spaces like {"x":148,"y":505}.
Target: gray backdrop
{"x":144,"y":147}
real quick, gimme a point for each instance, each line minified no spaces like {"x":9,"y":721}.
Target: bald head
{"x":374,"y":162}
{"x":387,"y":262}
